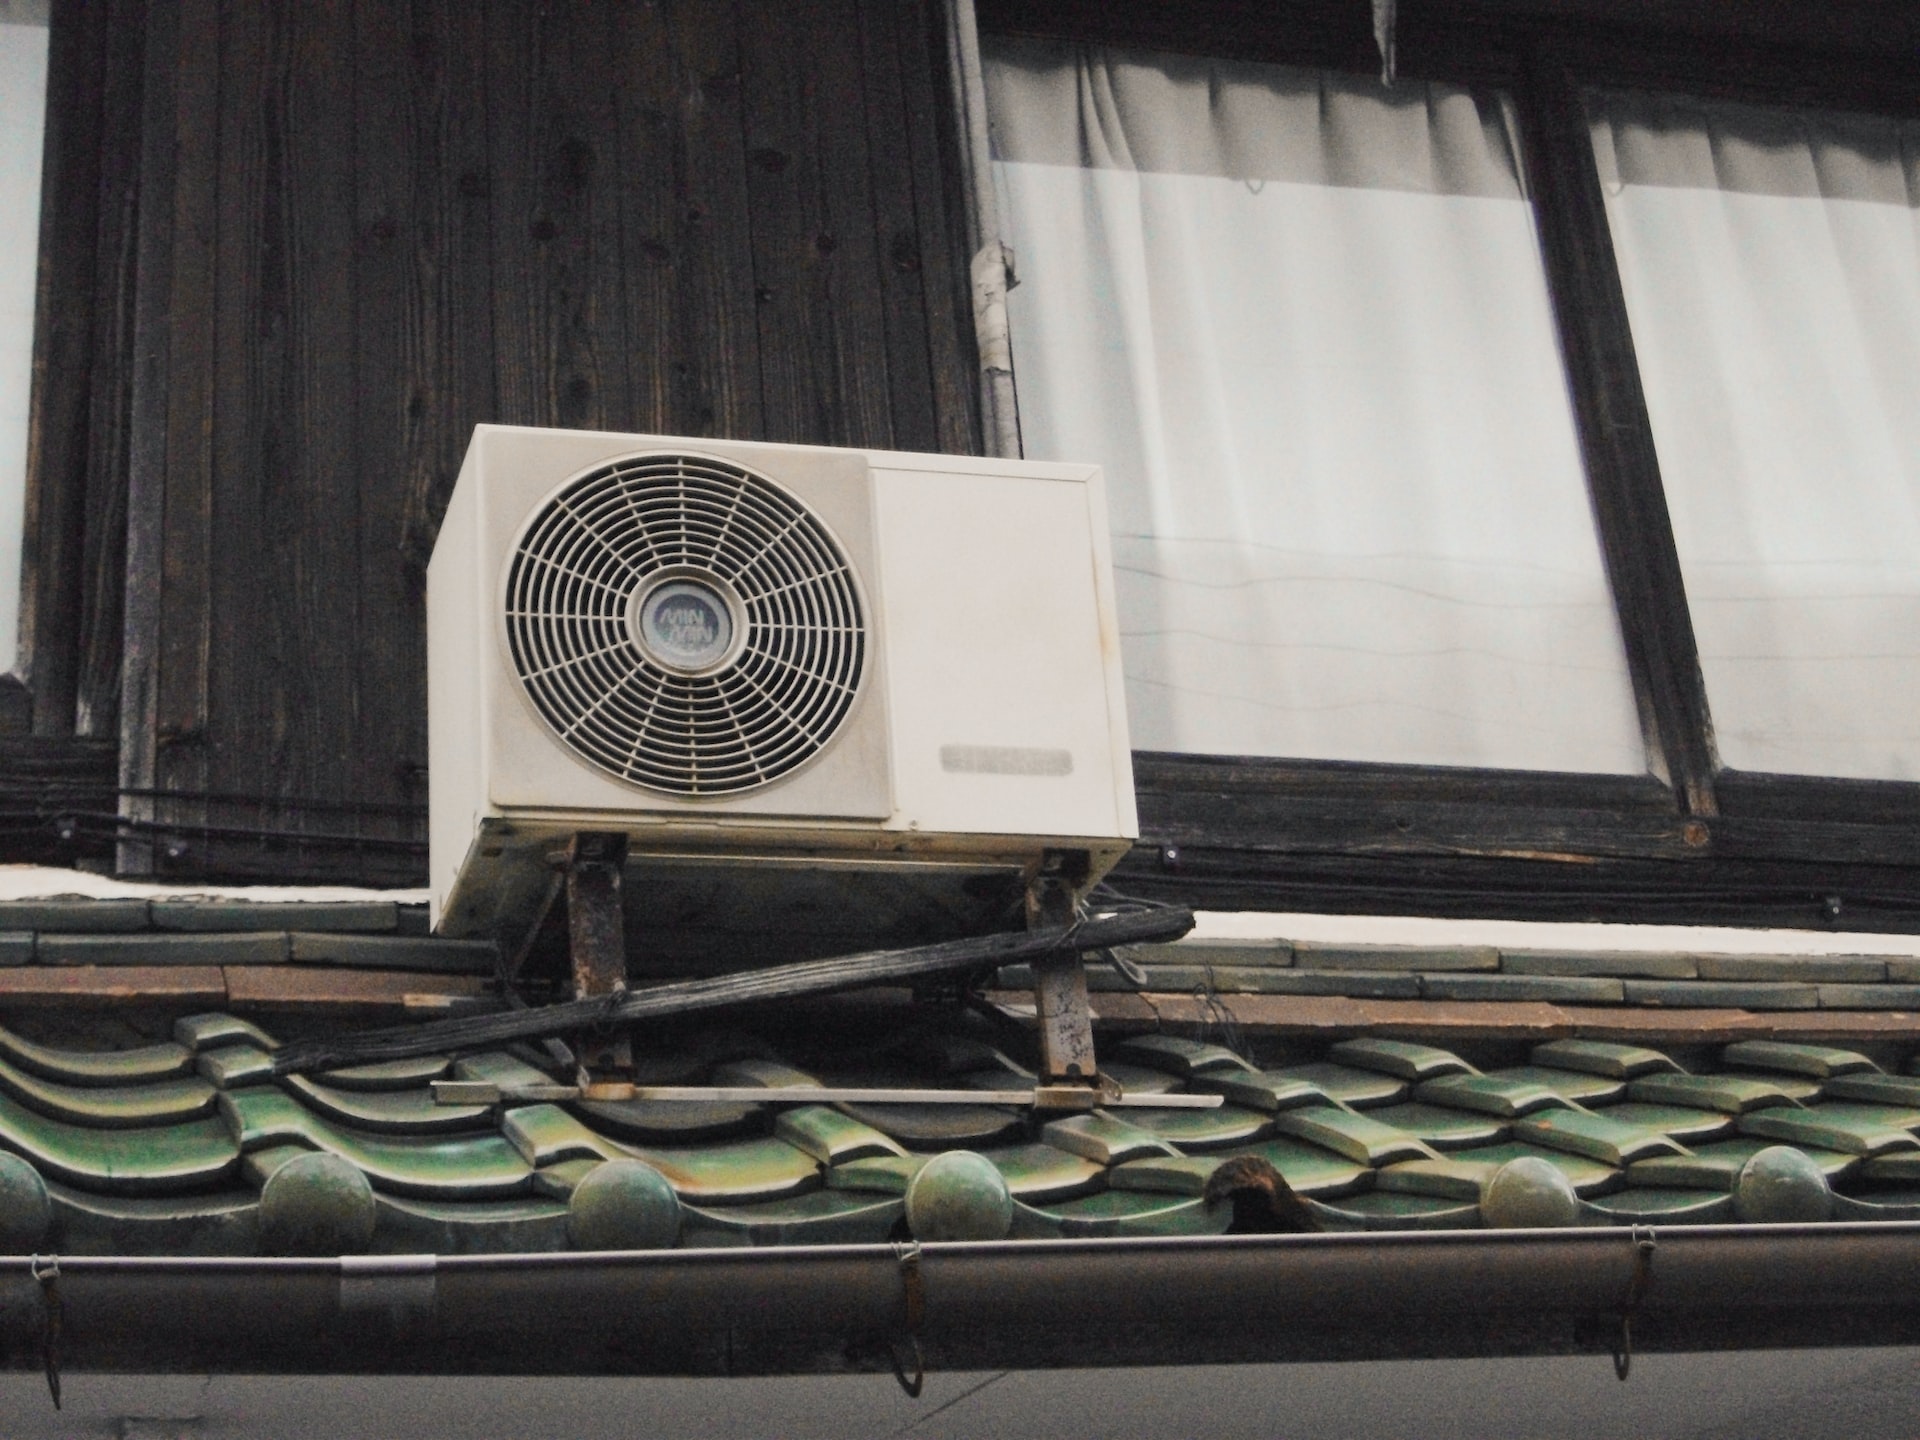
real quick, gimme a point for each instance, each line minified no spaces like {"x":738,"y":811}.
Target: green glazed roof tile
{"x":233,"y":1066}
{"x":882,"y":1174}
{"x":152,"y":1160}
{"x":389,"y":1112}
{"x":545,"y":1134}
{"x":1135,"y":1212}
{"x":421,"y":953}
{"x":774,"y":1074}
{"x":1263,"y":1089}
{"x":830,"y":1137}
{"x":557,"y":1181}
{"x":1587,"y":1176}
{"x":820,"y":1217}
{"x":1637,"y":1206}
{"x":1596,"y":1135}
{"x":97,"y":1067}
{"x":1203,"y":1129}
{"x":109,"y":1107}
{"x":1899,"y":1165}
{"x":1795,"y":1086}
{"x":266,"y":948}
{"x":74,"y":914}
{"x":1038,"y":1173}
{"x":205,"y":1032}
{"x":1729,"y":1094}
{"x":479,"y":1167}
{"x":1577,"y":1087}
{"x":1179,"y":1056}
{"x":1683,"y":1123}
{"x":1856,"y":1129}
{"x":1878,"y":1204}
{"x":258,"y":1166}
{"x":734,"y":1172}
{"x":1874,"y":1089}
{"x":1494,"y":1095}
{"x":940,"y":1127}
{"x":16,"y":947}
{"x":1104,"y":1138}
{"x":1389,"y":1210}
{"x":496,"y":1067}
{"x":1601,"y":1057}
{"x":226,"y":1222}
{"x":202,"y":916}
{"x":1717,"y":1165}
{"x":1402,"y":1059}
{"x":483,"y":1227}
{"x":669,"y":1122}
{"x":1819,"y":1061}
{"x":1345,"y":1084}
{"x":388,"y":1074}
{"x":1442,"y":1128}
{"x":1360,"y":1138}
{"x":1446,"y":1179}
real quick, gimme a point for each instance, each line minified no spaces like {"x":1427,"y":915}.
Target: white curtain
{"x":1301,"y":321}
{"x":1771,"y":261}
{"x":23,"y":103}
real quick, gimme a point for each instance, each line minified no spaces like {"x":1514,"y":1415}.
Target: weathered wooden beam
{"x":781,"y":982}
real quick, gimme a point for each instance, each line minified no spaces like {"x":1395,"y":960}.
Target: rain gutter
{"x":1020,"y":1304}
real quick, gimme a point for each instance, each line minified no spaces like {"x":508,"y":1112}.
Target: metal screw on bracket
{"x":1831,"y":907}
{"x":1169,"y":857}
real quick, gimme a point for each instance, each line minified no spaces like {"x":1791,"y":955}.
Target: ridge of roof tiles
{"x":1658,"y":979}
{"x":165,"y":1148}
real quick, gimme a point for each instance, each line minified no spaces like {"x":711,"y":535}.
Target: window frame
{"x":1691,"y":840}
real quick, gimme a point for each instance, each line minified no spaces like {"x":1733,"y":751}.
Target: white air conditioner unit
{"x":837,"y":692}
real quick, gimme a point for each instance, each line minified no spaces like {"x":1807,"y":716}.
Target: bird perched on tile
{"x":1263,"y":1202}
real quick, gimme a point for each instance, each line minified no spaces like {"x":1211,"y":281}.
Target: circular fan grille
{"x":607,"y":546}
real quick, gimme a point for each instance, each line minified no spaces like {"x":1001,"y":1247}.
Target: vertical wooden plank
{"x":185,"y":602}
{"x":686,"y":225}
{"x":898,"y":264}
{"x":284,"y":693}
{"x":449,"y":378}
{"x":54,"y":524}
{"x":559,"y":322}
{"x":398,"y":303}
{"x":103,"y":554}
{"x":823,"y":361}
{"x":940,"y":227}
{"x":147,"y":455}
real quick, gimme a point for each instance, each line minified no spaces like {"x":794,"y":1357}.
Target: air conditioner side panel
{"x":456,"y":678}
{"x":1001,"y":640}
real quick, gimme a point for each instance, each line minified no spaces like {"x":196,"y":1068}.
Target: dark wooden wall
{"x":364,"y":226}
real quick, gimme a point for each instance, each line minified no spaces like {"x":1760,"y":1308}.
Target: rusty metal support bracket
{"x":596,"y":941}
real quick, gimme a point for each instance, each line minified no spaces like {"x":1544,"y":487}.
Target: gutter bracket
{"x":916,"y":1307}
{"x":1644,"y":1244}
{"x":47,"y":1275}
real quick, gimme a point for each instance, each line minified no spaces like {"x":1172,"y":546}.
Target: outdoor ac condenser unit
{"x":822,"y":692}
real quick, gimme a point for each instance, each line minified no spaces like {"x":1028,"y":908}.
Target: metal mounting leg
{"x":1060,"y":992}
{"x":596,"y":940}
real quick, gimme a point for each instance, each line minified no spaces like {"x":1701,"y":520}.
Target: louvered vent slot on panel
{"x":685,"y":625}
